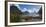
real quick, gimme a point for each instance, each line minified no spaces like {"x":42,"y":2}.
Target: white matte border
{"x":24,"y":22}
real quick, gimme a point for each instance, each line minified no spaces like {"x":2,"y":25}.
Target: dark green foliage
{"x":15,"y":14}
{"x":17,"y":19}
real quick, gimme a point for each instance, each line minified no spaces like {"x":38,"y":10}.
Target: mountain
{"x":15,"y":14}
{"x":14,"y":9}
{"x":40,"y":11}
{"x":26,"y":12}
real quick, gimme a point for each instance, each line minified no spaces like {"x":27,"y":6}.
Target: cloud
{"x":32,"y":10}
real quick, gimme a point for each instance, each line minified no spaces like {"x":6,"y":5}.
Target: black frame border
{"x":6,"y":20}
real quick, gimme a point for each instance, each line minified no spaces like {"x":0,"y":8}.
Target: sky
{"x":29,"y":8}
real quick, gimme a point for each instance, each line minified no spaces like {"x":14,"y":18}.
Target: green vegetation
{"x":15,"y":14}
